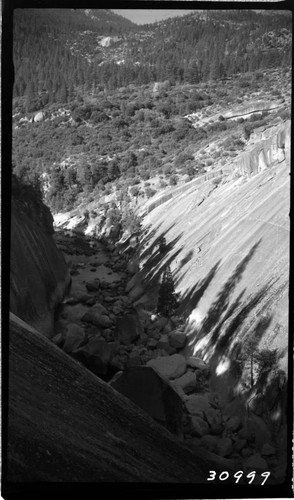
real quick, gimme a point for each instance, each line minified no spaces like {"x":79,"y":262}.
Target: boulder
{"x":99,"y":308}
{"x":209,"y":442}
{"x":169,"y":366}
{"x":257,"y":463}
{"x":224,"y":447}
{"x":197,"y":405}
{"x":246,"y":452}
{"x":137,"y":292}
{"x":133,"y":266}
{"x":152,"y":344}
{"x":233,"y":424}
{"x":128,"y":329}
{"x":134,"y":281}
{"x":197,"y":363}
{"x":214,"y":420}
{"x":58,"y":339}
{"x":268,"y":450}
{"x":186,"y":382}
{"x":199,"y":427}
{"x":97,"y":319}
{"x":74,"y":336}
{"x":93,"y":285}
{"x":153,"y":393}
{"x":234,"y":408}
{"x":97,"y":355}
{"x":134,"y":360}
{"x":163,"y":342}
{"x":97,"y":315}
{"x":240,"y":444}
{"x":177,"y":339}
{"x":161,"y":322}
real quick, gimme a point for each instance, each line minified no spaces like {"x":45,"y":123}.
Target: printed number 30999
{"x":225,"y":475}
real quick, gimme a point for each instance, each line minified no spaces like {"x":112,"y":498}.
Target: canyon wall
{"x":269,"y":148}
{"x":39,"y":275}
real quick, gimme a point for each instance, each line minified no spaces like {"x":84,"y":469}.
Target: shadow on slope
{"x":222,"y":301}
{"x":191,"y":298}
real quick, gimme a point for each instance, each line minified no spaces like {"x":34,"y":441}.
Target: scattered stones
{"x":169,"y":366}
{"x":122,"y":335}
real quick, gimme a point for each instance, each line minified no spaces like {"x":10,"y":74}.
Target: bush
{"x":173,"y":180}
{"x":150,"y":192}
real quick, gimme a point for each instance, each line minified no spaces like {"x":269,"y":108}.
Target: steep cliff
{"x":273,"y":146}
{"x":38,"y":273}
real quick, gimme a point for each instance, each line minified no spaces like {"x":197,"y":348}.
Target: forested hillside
{"x":192,"y":49}
{"x":135,"y":141}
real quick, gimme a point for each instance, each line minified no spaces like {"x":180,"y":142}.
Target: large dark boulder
{"x":153,"y":393}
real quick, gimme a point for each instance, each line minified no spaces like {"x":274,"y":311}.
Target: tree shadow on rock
{"x":222,"y":301}
{"x":191,"y":298}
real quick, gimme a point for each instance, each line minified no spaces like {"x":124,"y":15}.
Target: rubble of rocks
{"x":142,"y":356}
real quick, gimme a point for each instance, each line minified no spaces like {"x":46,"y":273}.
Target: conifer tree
{"x":167,"y":299}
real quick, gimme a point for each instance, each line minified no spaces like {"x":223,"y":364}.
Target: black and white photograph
{"x":148,"y":339}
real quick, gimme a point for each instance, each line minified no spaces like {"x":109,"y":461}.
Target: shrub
{"x":150,"y":192}
{"x":173,"y":180}
{"x":216,"y":181}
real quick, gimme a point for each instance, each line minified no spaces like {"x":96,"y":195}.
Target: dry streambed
{"x":103,"y":325}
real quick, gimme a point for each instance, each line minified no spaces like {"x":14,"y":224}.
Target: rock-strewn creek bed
{"x":102,"y":325}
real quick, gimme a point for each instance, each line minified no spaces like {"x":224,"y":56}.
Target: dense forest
{"x":115,"y":115}
{"x":188,"y":49}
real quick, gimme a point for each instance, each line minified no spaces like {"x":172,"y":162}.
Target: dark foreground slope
{"x":65,"y":424}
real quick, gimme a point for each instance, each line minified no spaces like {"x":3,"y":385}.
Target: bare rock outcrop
{"x":39,"y":276}
{"x":275,"y":147}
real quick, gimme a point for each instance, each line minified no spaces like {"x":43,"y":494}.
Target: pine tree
{"x":167,"y":300}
